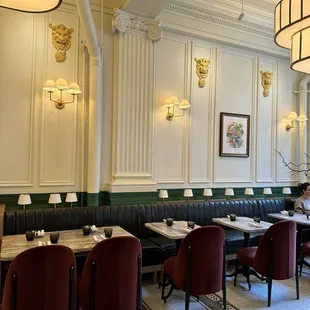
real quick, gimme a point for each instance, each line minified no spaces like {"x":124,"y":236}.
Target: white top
{"x":302,"y":203}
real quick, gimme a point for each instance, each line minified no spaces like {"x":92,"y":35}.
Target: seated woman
{"x":302,"y":204}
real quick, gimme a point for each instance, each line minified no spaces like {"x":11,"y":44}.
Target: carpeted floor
{"x":283,"y":296}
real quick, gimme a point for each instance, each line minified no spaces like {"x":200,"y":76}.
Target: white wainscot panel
{"x":265,"y":132}
{"x":234,"y":94}
{"x":59,"y":127}
{"x":201,"y":118}
{"x":16,"y":97}
{"x":169,"y":136}
{"x":286,"y":140}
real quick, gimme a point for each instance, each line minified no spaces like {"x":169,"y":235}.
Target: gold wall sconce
{"x":202,"y":70}
{"x":61,"y":85}
{"x":35,"y":6}
{"x":266,"y":82}
{"x":171,"y":103}
{"x":293,"y":117}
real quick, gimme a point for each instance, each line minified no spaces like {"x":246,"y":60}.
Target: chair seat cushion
{"x":151,"y":253}
{"x":246,"y":256}
{"x":168,"y":246}
{"x":169,"y":266}
{"x":306,"y":248}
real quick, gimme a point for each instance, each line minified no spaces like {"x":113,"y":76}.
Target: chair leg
{"x":172,"y":287}
{"x":236,"y":273}
{"x":163,"y":285}
{"x":297,"y":280}
{"x":224,"y":278}
{"x":269,"y":290}
{"x":197,"y":297}
{"x":187,"y":298}
{"x":248,"y":279}
{"x":224,"y":294}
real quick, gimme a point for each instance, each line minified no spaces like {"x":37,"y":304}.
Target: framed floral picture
{"x":234,"y":135}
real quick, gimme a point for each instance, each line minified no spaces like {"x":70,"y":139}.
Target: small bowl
{"x":233,"y":217}
{"x":191,"y":224}
{"x":108,"y":232}
{"x":54,"y":237}
{"x":291,"y":212}
{"x":86,"y":230}
{"x":256,"y":219}
{"x":30,"y":234}
{"x":169,"y":221}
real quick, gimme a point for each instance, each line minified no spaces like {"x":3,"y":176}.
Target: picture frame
{"x":234,"y":135}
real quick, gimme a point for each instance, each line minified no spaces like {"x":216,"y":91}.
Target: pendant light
{"x":31,"y":6}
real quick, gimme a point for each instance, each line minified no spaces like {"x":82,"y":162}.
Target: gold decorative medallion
{"x":202,"y":71}
{"x":61,"y":39}
{"x":266,"y":82}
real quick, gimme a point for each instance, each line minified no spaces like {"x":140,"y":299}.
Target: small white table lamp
{"x":163,"y":193}
{"x":249,"y":192}
{"x":286,"y":191}
{"x":267,"y":191}
{"x":23,"y":200}
{"x":54,"y":198}
{"x":207,"y":192}
{"x":229,"y":192}
{"x":188,"y":193}
{"x":71,"y":197}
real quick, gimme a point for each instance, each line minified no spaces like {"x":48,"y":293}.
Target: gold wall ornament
{"x":61,"y":39}
{"x":202,"y":70}
{"x":266,"y":82}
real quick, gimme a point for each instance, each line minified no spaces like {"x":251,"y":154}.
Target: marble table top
{"x":298,"y":218}
{"x":13,"y":245}
{"x":244,"y":224}
{"x":177,"y":231}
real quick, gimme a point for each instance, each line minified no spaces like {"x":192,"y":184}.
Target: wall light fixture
{"x":171,"y":103}
{"x":61,"y":85}
{"x":302,"y":118}
{"x":34,"y":6}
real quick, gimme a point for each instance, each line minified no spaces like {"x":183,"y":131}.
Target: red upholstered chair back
{"x":283,"y":236}
{"x":46,"y":279}
{"x":116,"y":275}
{"x":207,"y":245}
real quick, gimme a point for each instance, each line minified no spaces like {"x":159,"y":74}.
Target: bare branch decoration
{"x":294,"y":168}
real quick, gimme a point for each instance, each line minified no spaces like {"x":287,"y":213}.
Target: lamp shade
{"x":54,"y":198}
{"x":169,"y":103}
{"x":49,"y":85}
{"x":249,"y":191}
{"x":74,"y":89}
{"x":33,"y":6}
{"x":61,"y":84}
{"x":24,"y":199}
{"x":292,"y":116}
{"x":290,"y":16}
{"x":175,"y":99}
{"x":302,"y":117}
{"x":163,"y":193}
{"x":286,"y":190}
{"x":71,"y":197}
{"x":207,"y":192}
{"x":188,"y":193}
{"x":229,"y":192}
{"x":267,"y":191}
{"x":184,"y":104}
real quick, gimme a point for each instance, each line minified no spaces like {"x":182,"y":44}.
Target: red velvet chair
{"x":41,"y":278}
{"x":305,"y":248}
{"x":275,"y":256}
{"x":199,"y":267}
{"x":111,"y":277}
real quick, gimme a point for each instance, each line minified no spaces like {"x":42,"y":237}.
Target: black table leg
{"x":246,"y":239}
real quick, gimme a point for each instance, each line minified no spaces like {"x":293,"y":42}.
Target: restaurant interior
{"x":165,"y":154}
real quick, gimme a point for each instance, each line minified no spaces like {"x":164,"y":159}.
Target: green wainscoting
{"x":40,"y":201}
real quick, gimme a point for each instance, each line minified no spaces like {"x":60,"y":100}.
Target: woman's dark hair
{"x":303,"y":187}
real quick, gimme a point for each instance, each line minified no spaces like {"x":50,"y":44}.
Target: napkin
{"x":93,"y":228}
{"x":255,"y":224}
{"x":284,"y":212}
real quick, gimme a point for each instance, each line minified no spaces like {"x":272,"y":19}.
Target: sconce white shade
{"x":207,"y":192}
{"x":188,"y":193}
{"x":249,"y":191}
{"x":163,"y":193}
{"x":74,"y":89}
{"x":302,"y":117}
{"x":184,"y":104}
{"x":33,"y":6}
{"x":229,"y":192}
{"x":54,"y":198}
{"x":292,"y":116}
{"x":267,"y":191}
{"x":286,"y":190}
{"x":175,"y":100}
{"x":168,"y":103}
{"x":24,"y":199}
{"x":61,"y":84}
{"x":71,"y":197}
{"x":49,"y":85}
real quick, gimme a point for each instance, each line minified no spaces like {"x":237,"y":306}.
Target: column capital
{"x":123,"y":21}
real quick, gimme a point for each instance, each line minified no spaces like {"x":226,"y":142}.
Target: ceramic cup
{"x":30,"y":234}
{"x":108,"y":232}
{"x":291,"y":212}
{"x":169,"y":221}
{"x":256,"y":219}
{"x":86,"y":230}
{"x":54,"y":237}
{"x":232,"y":217}
{"x":191,"y":224}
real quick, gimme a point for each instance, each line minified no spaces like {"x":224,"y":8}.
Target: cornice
{"x":123,"y":21}
{"x":208,"y":16}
